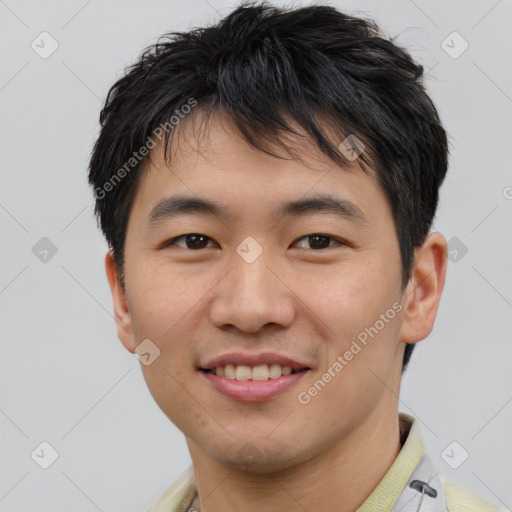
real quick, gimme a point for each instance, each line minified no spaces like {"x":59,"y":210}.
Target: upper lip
{"x":238,"y":358}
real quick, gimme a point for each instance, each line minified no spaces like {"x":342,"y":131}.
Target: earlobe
{"x":121,"y":311}
{"x":423,"y":293}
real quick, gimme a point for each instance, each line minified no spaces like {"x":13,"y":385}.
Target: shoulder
{"x":461,"y":499}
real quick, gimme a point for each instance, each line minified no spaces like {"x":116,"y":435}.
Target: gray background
{"x":66,"y":379}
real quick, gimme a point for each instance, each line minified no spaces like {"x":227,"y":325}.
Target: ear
{"x":122,"y":313}
{"x":423,"y":292}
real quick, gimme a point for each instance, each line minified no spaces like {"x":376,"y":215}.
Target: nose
{"x":251,"y":296}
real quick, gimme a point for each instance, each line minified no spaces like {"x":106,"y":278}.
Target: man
{"x":267,"y":186}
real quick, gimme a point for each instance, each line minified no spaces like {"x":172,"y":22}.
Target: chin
{"x":256,"y":458}
{"x":265,"y":466}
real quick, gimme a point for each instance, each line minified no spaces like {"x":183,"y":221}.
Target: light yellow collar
{"x":386,"y":494}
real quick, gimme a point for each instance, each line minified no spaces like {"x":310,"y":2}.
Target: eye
{"x":192,"y":241}
{"x":319,"y":241}
{"x":196,"y":241}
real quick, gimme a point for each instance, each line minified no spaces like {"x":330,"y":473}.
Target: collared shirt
{"x":411,"y":484}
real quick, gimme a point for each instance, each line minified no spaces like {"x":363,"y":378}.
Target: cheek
{"x":347,"y":299}
{"x":169,"y":388}
{"x":351,"y":383}
{"x":161,"y":311}
{"x":359,"y":308}
{"x":161,"y":298}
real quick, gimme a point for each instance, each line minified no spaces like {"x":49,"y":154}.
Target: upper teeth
{"x":260,"y":372}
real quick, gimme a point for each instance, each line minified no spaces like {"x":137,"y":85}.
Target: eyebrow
{"x":171,"y":207}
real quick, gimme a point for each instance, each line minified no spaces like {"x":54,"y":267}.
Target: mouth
{"x":258,"y":383}
{"x":260,"y":372}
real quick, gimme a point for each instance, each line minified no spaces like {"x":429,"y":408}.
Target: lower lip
{"x":253,"y":390}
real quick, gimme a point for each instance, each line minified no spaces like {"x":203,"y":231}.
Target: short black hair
{"x":262,"y":65}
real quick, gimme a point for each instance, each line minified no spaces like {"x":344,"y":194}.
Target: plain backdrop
{"x":65,"y":378}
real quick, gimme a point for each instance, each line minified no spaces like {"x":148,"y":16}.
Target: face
{"x":260,"y":284}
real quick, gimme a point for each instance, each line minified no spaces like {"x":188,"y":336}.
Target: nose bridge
{"x":251,"y":295}
{"x":252,"y":278}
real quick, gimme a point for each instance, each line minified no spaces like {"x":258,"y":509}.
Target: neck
{"x":340,"y":479}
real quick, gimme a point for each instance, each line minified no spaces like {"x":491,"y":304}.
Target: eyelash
{"x":173,"y":240}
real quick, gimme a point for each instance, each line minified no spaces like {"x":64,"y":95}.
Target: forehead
{"x":214,"y":160}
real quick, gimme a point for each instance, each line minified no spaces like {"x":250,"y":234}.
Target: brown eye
{"x":192,"y":241}
{"x":319,"y":241}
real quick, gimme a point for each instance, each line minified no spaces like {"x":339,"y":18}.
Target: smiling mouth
{"x":260,"y":372}
{"x":253,"y":383}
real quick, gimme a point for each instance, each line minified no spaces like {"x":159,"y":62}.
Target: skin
{"x":307,"y":303}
